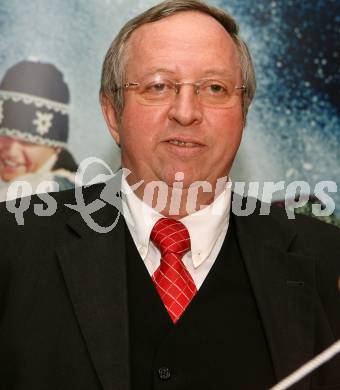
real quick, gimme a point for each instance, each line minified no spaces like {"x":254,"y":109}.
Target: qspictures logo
{"x":159,"y":195}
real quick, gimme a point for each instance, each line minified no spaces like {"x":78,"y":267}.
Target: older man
{"x":183,"y":293}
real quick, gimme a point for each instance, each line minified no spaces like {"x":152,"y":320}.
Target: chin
{"x":6,"y":178}
{"x":12,"y":176}
{"x":175,"y":176}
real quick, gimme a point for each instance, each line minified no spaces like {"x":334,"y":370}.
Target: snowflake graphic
{"x":43,"y":122}
{"x":1,"y":111}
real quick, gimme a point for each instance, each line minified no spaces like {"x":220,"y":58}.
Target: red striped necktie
{"x":172,"y":280}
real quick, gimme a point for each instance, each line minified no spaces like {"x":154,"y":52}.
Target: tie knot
{"x":170,"y":235}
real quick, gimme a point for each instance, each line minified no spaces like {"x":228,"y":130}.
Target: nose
{"x":185,"y":108}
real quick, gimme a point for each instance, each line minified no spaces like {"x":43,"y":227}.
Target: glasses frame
{"x":177,"y":85}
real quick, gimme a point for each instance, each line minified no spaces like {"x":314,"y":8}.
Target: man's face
{"x":18,"y":158}
{"x":187,"y":46}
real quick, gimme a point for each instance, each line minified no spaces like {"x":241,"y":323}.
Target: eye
{"x":216,"y":88}
{"x":158,"y":87}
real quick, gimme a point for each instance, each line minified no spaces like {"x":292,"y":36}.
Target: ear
{"x":110,"y":117}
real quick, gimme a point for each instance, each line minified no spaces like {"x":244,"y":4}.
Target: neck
{"x":177,"y":202}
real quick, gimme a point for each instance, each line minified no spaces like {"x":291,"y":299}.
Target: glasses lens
{"x":156,"y":92}
{"x":215,"y":93}
{"x":219,"y":93}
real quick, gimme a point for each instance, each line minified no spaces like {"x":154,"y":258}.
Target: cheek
{"x":3,"y":142}
{"x":141,"y":125}
{"x":143,"y":117}
{"x":226,"y":129}
{"x":36,"y":157}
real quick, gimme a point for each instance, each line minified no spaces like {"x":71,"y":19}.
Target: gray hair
{"x":113,"y":71}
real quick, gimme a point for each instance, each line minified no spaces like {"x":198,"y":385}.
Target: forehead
{"x":186,"y":41}
{"x":4,"y":140}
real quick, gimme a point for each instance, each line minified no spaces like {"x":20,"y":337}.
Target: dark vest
{"x":218,"y":343}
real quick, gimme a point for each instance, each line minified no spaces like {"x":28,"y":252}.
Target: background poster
{"x":293,"y":129}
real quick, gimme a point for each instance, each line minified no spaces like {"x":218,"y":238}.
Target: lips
{"x":188,"y":142}
{"x":183,"y":144}
{"x":184,"y":147}
{"x":10,"y":163}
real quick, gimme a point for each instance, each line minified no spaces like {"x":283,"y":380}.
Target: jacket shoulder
{"x":315,"y":236}
{"x":41,"y":215}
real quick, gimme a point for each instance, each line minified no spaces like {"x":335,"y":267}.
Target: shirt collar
{"x":204,"y":226}
{"x":140,"y":218}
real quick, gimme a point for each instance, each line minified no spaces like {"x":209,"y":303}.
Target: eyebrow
{"x":210,"y":72}
{"x":220,"y":72}
{"x":159,"y":70}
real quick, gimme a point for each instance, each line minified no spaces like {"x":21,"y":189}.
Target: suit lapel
{"x":283,"y":284}
{"x":93,"y":265}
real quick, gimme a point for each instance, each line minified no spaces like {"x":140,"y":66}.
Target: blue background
{"x":293,"y":130}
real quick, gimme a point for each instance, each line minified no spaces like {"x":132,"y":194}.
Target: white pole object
{"x":307,"y":368}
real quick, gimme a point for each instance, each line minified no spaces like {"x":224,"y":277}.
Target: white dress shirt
{"x":207,"y":229}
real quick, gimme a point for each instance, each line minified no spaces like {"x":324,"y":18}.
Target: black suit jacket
{"x":63,"y":296}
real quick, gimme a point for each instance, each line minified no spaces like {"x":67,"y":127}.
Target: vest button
{"x":164,"y":373}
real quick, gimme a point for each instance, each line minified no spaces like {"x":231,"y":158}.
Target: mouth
{"x":183,"y":147}
{"x":10,"y":163}
{"x":183,"y":143}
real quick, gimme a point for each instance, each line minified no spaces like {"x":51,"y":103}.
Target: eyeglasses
{"x":161,"y":91}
